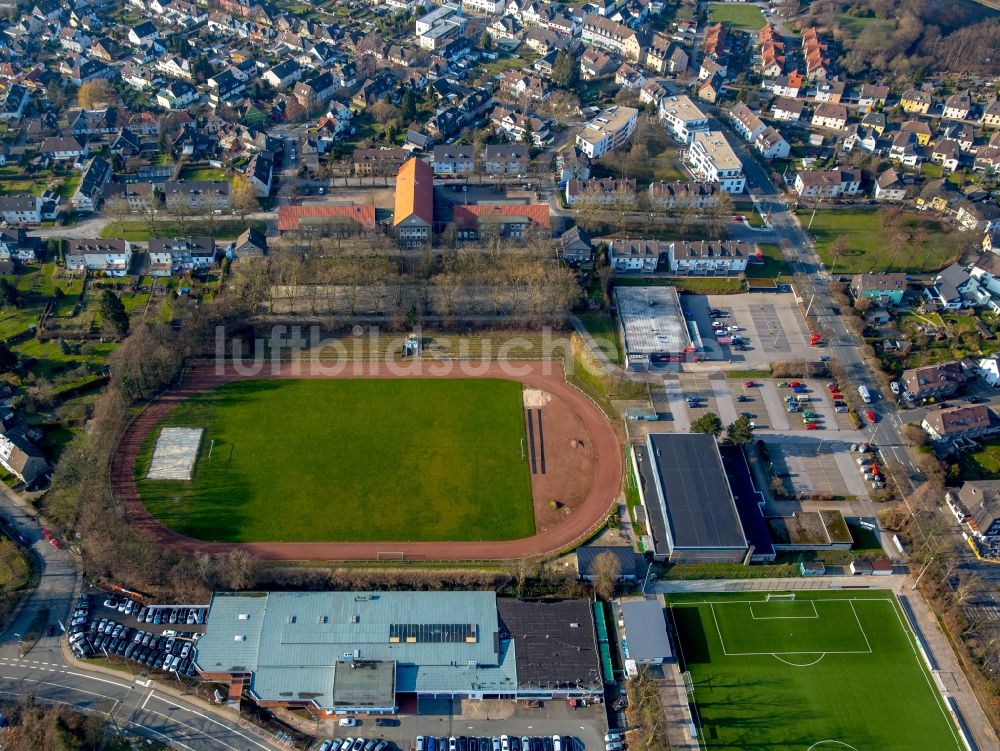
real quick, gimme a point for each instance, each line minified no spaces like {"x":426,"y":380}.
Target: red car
{"x":871,"y":416}
{"x":837,"y":396}
{"x":811,"y":426}
{"x":793,"y":384}
{"x":749,"y":385}
{"x":52,"y":539}
{"x":833,"y":387}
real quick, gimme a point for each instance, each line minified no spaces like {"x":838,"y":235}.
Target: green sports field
{"x":825,"y":671}
{"x":359,"y":460}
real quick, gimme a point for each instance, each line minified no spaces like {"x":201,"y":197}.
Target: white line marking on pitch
{"x":798,"y":665}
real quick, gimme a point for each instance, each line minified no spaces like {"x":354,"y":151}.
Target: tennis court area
{"x":809,"y":670}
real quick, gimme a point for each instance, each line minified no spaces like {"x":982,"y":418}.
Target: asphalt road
{"x":813,"y":285}
{"x":135,"y":704}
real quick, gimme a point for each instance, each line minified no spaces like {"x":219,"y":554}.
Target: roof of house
{"x":627,"y":561}
{"x":888,"y":179}
{"x":981,"y":498}
{"x":882,"y":282}
{"x":533,"y":213}
{"x":506,"y":151}
{"x":20,"y":451}
{"x":83,"y":246}
{"x":960,"y":419}
{"x":831,"y":110}
{"x":414,"y":192}
{"x":932,"y":376}
{"x":289,"y":217}
{"x":198,"y":246}
{"x":252,"y":236}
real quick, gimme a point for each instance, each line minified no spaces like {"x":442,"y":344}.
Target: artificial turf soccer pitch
{"x":349,"y":460}
{"x":826,"y":671}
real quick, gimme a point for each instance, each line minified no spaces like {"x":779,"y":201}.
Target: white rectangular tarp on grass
{"x":175,"y":454}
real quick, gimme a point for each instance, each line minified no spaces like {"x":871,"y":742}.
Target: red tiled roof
{"x":289,"y":216}
{"x":414,"y":192}
{"x":536,"y":213}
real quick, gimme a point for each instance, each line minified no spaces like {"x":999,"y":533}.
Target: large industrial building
{"x":382,"y":652}
{"x":691,"y":512}
{"x":653,"y":327}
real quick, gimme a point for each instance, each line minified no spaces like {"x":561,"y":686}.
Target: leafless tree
{"x":605,"y":572}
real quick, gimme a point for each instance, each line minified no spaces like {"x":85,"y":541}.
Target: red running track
{"x":545,"y":375}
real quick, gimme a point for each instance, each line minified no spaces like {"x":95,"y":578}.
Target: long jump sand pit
{"x":175,"y":454}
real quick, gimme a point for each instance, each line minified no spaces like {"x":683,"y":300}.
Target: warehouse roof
{"x":556,"y":642}
{"x":295,"y":643}
{"x":652,"y":320}
{"x":695,"y":497}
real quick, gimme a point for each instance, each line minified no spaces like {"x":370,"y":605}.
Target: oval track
{"x":543,"y":375}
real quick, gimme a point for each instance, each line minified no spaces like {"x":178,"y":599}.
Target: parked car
{"x":811,"y":426}
{"x":348,"y":722}
{"x":870,"y":416}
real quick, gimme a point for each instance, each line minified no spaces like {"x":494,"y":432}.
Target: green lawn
{"x":605,"y":332}
{"x":138,"y":231}
{"x":774,"y":263}
{"x":14,"y":570}
{"x":868,"y":248}
{"x":737,"y":15}
{"x":696,"y":285}
{"x":825,"y":670}
{"x":315,"y":460}
{"x":984,"y":463}
{"x":203,"y":173}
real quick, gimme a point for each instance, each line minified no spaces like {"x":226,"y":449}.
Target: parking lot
{"x":161,"y":637}
{"x":688,"y":396}
{"x":578,"y":728}
{"x":771,"y":324}
{"x":816,"y":467}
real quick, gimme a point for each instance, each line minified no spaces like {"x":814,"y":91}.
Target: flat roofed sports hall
{"x":688,"y":500}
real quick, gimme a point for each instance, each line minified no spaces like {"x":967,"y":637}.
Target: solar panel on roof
{"x":432,"y":633}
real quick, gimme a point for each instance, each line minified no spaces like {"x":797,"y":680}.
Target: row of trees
{"x":183,"y":215}
{"x":373,"y":278}
{"x":910,"y":39}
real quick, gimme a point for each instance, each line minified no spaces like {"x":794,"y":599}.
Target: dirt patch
{"x":570,"y":467}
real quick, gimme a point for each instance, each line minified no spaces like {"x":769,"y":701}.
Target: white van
{"x":802,"y":398}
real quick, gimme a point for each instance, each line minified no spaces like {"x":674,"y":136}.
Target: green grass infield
{"x":349,"y":460}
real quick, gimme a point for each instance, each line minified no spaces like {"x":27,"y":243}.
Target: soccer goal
{"x":779,"y":596}
{"x":688,"y":682}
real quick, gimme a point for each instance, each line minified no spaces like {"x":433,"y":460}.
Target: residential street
{"x":47,"y":672}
